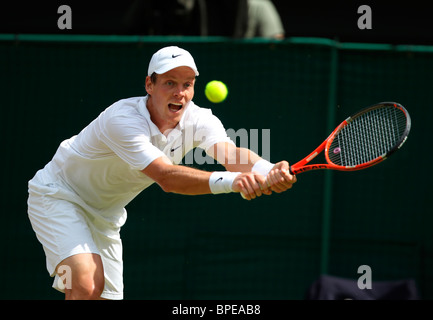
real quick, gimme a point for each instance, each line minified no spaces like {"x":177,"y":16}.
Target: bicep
{"x":157,"y":169}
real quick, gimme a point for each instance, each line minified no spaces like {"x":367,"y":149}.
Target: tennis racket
{"x":362,"y":140}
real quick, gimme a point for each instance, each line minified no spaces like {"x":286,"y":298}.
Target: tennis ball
{"x":216,"y":91}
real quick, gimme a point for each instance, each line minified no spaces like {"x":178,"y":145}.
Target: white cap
{"x":169,"y":58}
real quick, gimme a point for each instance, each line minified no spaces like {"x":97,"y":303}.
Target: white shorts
{"x":64,"y":229}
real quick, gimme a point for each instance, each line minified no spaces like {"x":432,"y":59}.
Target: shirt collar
{"x":154,"y":130}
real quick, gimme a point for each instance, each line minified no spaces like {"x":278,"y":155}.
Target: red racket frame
{"x":301,"y":166}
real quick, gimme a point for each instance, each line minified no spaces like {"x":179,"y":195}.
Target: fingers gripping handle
{"x":267,"y":182}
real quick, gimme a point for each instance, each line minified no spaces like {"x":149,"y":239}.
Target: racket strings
{"x":368,"y":136}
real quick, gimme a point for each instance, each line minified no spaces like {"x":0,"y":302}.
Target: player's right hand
{"x":251,"y":185}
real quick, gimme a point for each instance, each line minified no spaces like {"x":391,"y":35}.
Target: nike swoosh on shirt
{"x":173,"y":149}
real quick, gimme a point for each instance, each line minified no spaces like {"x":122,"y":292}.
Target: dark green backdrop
{"x":222,"y":247}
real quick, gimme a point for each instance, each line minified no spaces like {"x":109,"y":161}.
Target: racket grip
{"x":290,"y":170}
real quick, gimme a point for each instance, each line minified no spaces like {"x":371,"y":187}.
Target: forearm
{"x":242,"y":160}
{"x":233,"y":158}
{"x":184,"y":180}
{"x":188,"y":181}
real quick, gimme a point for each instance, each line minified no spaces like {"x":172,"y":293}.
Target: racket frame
{"x":301,"y":166}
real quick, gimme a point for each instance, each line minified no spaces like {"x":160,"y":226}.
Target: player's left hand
{"x":279,"y":178}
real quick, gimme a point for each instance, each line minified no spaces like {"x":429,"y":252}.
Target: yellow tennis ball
{"x":216,"y":91}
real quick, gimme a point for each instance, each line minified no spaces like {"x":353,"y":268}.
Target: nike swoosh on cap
{"x":175,"y":56}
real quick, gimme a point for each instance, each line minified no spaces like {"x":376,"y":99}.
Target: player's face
{"x":169,"y":96}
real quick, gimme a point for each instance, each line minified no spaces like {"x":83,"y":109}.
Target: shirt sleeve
{"x":129,"y":139}
{"x":210,"y":131}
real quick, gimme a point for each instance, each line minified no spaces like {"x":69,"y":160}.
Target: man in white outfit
{"x":77,"y":202}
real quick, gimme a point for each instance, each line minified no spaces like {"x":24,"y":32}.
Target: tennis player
{"x":77,"y":202}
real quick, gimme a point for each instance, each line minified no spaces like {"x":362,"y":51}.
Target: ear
{"x":149,"y":85}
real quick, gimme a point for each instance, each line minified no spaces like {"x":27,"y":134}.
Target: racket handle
{"x":290,"y":170}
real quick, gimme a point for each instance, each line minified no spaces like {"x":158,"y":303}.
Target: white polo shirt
{"x":100,"y":168}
